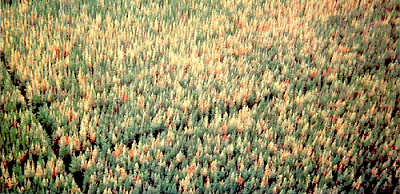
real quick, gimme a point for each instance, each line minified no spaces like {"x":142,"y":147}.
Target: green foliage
{"x":151,"y":96}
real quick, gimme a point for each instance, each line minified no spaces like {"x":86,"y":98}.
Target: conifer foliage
{"x":198,"y":96}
